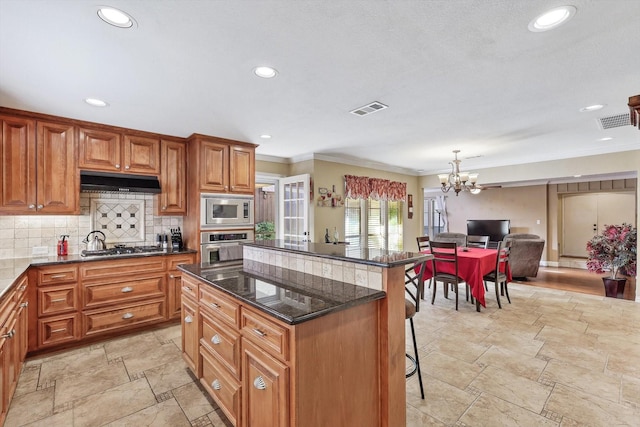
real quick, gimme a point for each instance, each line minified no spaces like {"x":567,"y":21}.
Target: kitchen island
{"x":301,"y":335}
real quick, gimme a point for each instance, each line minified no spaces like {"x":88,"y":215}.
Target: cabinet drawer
{"x":223,"y":342}
{"x":224,"y":389}
{"x":96,"y":294}
{"x":175,"y":260}
{"x":58,"y":330}
{"x":57,"y":300}
{"x":220,"y":306}
{"x":266,"y":333}
{"x":189,"y":287}
{"x":56,"y":275}
{"x":99,"y":321}
{"x":121,"y":268}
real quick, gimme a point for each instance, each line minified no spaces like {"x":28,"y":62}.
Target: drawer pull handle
{"x":25,"y":304}
{"x":259,"y":383}
{"x":171,"y":276}
{"x":127,"y":289}
{"x":9,"y":334}
{"x":259,"y":333}
{"x":127,"y":316}
{"x":58,"y":276}
{"x":216,"y":385}
{"x":188,"y":319}
{"x":58,"y":300}
{"x":187,"y":288}
{"x":216,"y":339}
{"x":23,"y":287}
{"x":55,"y":331}
{"x":214,"y":305}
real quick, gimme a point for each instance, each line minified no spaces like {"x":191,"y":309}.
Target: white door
{"x":585,"y":215}
{"x":293,"y":201}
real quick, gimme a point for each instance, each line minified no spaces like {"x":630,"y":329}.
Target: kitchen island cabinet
{"x":288,"y":348}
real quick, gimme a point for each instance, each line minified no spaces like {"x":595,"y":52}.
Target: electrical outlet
{"x":538,"y":221}
{"x":40,"y":250}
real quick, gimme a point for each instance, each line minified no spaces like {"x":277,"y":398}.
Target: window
{"x":374,"y":223}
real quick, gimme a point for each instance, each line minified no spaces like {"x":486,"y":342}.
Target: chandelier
{"x":457,"y":180}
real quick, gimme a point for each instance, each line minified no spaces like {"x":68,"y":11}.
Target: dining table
{"x":473,"y":265}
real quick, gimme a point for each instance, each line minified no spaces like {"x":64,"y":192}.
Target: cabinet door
{"x":141,"y":155}
{"x":214,"y":167}
{"x":173,"y":179}
{"x":174,"y":292}
{"x":190,"y":335}
{"x":99,"y":150}
{"x":17,"y":165}
{"x":58,"y":185}
{"x":242,"y":170}
{"x":265,"y":385}
{"x":4,"y":366}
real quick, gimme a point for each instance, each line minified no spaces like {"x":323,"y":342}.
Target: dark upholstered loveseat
{"x":526,"y":252}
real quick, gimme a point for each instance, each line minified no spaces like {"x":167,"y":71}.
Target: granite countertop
{"x":288,"y":295}
{"x":368,"y":256}
{"x":12,"y":268}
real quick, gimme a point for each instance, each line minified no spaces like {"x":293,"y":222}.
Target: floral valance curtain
{"x":362,"y":187}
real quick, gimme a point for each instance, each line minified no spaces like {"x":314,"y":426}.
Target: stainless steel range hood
{"x":104,"y":182}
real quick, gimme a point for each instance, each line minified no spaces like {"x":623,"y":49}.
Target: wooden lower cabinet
{"x":58,"y":330}
{"x":123,"y":317}
{"x":264,"y":372}
{"x":174,"y":282}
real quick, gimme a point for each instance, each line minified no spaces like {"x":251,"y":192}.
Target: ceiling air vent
{"x":369,"y":108}
{"x":614,"y":121}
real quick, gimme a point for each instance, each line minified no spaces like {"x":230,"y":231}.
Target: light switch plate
{"x":40,"y":250}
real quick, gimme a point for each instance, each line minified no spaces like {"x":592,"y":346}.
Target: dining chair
{"x":445,"y":253}
{"x":423,"y":243}
{"x":499,"y":275}
{"x":414,"y":288}
{"x":459,"y":238}
{"x":478,"y":241}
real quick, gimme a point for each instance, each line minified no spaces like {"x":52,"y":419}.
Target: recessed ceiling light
{"x":606,"y":138}
{"x":594,"y":107}
{"x":265,"y":72}
{"x":265,"y":136}
{"x":115,"y":17}
{"x":552,"y":19}
{"x":95,"y":102}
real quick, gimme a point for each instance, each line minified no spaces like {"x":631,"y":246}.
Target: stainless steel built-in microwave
{"x":225,"y":210}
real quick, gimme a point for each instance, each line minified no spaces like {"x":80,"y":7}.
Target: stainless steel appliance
{"x":225,"y":210}
{"x":121,"y":250}
{"x":95,"y":242}
{"x":223,"y":246}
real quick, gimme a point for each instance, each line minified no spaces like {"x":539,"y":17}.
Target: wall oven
{"x":225,"y":210}
{"x":223,"y":247}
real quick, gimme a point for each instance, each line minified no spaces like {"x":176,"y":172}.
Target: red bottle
{"x":63,"y":245}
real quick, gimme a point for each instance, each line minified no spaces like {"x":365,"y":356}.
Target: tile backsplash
{"x":20,"y":233}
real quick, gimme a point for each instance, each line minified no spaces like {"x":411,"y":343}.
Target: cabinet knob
{"x":127,"y":167}
{"x":259,"y":383}
{"x":127,"y":316}
{"x":164,"y":208}
{"x":171,"y":276}
{"x":188,"y":319}
{"x":117,"y":166}
{"x":216,"y":339}
{"x":216,"y":385}
{"x":32,"y":206}
{"x":40,"y":206}
{"x":9,"y":334}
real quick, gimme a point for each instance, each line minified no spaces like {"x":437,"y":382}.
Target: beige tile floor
{"x":551,"y":358}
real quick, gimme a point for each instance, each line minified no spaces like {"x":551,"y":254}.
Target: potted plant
{"x":614,"y":251}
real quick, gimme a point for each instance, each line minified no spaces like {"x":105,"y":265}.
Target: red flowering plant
{"x":614,"y":251}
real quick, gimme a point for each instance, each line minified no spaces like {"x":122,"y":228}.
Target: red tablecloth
{"x":472,"y":266}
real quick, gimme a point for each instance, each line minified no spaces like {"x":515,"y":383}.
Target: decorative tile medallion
{"x":121,"y":220}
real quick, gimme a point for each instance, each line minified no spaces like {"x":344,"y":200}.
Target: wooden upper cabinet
{"x":214,"y":167}
{"x":173,"y":179}
{"x":38,"y":167}
{"x":58,"y":185}
{"x":17,"y":165}
{"x":242,"y":169}
{"x":141,"y":155}
{"x":226,"y":168}
{"x":99,"y":149}
{"x":109,"y":151}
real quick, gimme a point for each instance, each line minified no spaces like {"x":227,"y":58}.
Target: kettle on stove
{"x":95,"y":243}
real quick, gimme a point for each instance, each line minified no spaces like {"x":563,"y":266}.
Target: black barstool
{"x":411,"y":306}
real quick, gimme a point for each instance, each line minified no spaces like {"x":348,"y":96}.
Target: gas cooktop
{"x":122,"y":250}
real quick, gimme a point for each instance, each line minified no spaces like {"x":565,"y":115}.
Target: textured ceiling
{"x":461,"y":74}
